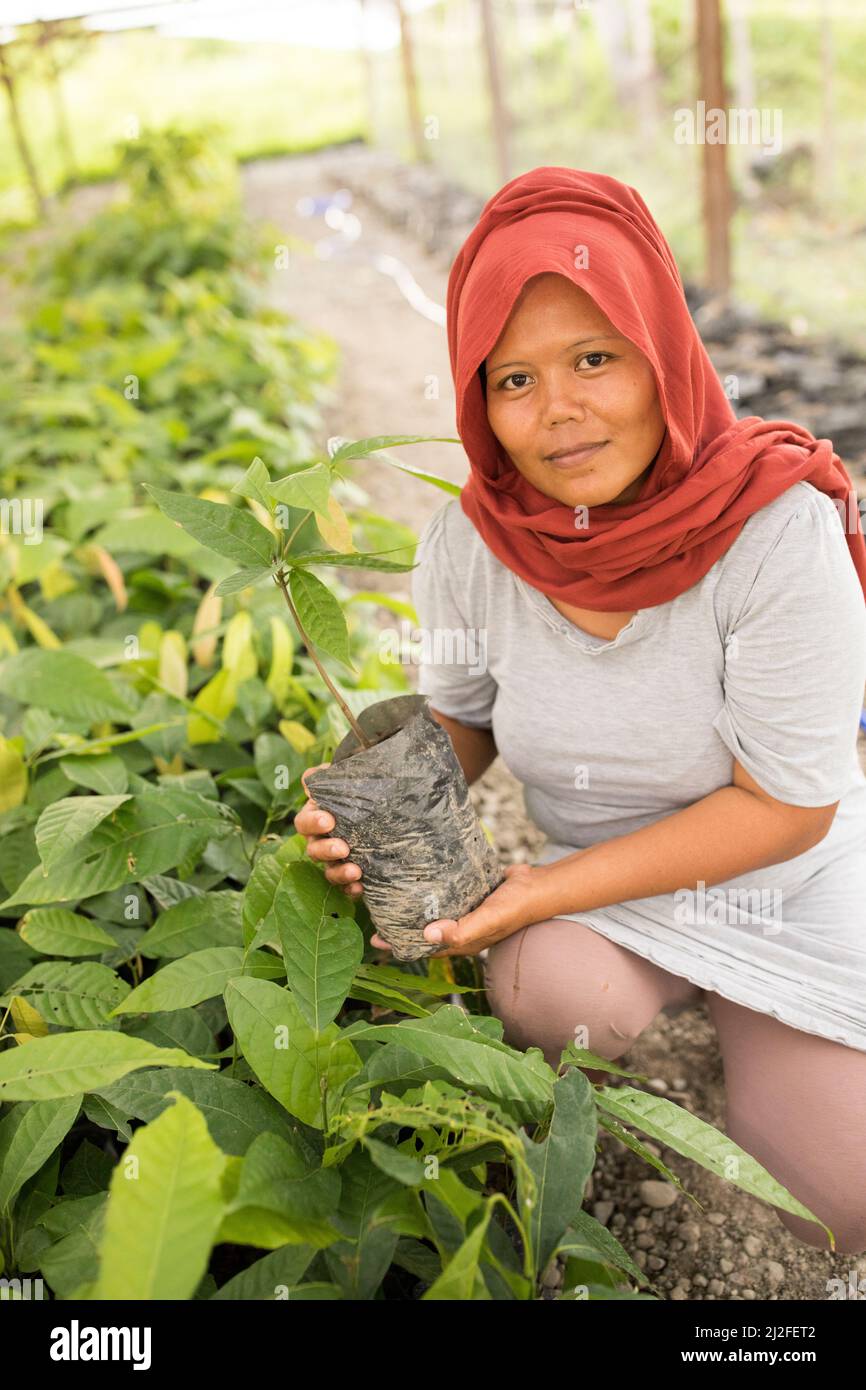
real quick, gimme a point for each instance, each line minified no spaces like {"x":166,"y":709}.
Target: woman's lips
{"x":576,"y":456}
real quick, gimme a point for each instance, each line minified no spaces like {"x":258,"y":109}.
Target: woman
{"x":671,"y":607}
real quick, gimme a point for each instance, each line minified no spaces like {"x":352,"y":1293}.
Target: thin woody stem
{"x":356,"y":728}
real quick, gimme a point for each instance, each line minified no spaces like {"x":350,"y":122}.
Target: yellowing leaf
{"x":112,"y":574}
{"x":218,"y":698}
{"x":207,"y":619}
{"x":335,"y":529}
{"x":239,"y":655}
{"x":13,"y":774}
{"x":172,"y":671}
{"x":8,"y":645}
{"x":296,"y":734}
{"x":55,"y":581}
{"x":282,"y":654}
{"x":36,"y":626}
{"x":26,"y":1019}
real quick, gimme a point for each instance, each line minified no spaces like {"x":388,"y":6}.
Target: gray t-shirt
{"x":764,"y":658}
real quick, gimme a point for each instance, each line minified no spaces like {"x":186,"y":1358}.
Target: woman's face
{"x":560,"y":377}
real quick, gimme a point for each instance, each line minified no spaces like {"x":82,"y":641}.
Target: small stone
{"x":618,"y":1220}
{"x":690,"y":1232}
{"x":680,"y":1084}
{"x":655,"y":1262}
{"x":602,"y":1211}
{"x":645,"y":1241}
{"x":657,"y":1195}
{"x":749,"y":1293}
{"x":715,"y":1287}
{"x":716,"y":1218}
{"x":775,"y":1273}
{"x":552,"y":1277}
{"x":658,"y":1219}
{"x":656,"y":1084}
{"x":640,"y":1223}
{"x":679,"y":1295}
{"x":684,"y":1282}
{"x":727,"y":1243}
{"x":640,"y":1258}
{"x":752,"y":1246}
{"x":700,"y":1280}
{"x":678,"y":1245}
{"x":726,"y":1266}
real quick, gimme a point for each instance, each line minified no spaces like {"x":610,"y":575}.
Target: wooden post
{"x":499,"y":114}
{"x":715,"y":182}
{"x":367,"y":65}
{"x":420,"y":145}
{"x":7,"y":77}
{"x":47,"y":39}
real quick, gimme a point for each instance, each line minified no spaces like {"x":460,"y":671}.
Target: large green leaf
{"x":29,"y":1134}
{"x":232,"y":533}
{"x":366,"y":448}
{"x":282,"y":1175}
{"x":321,"y":615}
{"x":71,"y":996}
{"x":63,"y":683}
{"x":164,"y":1209}
{"x":236,"y":1113}
{"x":104,"y":773}
{"x":63,"y":1064}
{"x":321,"y":953}
{"x":692,"y":1137}
{"x":461,"y":1278}
{"x":153,"y":832}
{"x":194,"y":925}
{"x":560,"y":1164}
{"x":271,"y":1277}
{"x":55,"y":931}
{"x":64,"y":823}
{"x":448,"y":1038}
{"x":197,"y":977}
{"x":293,"y":1063}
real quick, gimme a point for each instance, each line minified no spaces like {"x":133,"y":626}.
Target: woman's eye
{"x":520,"y":378}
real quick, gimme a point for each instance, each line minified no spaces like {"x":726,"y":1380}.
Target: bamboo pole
{"x":716,"y":188}
{"x":499,"y":114}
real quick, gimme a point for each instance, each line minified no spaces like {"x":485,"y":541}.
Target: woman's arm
{"x":724,"y":835}
{"x":475,"y":748}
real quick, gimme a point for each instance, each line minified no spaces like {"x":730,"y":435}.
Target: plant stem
{"x":356,"y":728}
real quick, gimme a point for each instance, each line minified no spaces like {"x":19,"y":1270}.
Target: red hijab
{"x":712,"y":470}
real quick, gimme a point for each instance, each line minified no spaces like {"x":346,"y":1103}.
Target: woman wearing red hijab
{"x":670,"y":607}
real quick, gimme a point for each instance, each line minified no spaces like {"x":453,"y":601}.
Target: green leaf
{"x":64,"y":683}
{"x":55,"y":931}
{"x":164,"y":1209}
{"x":449,"y":1038}
{"x":585,"y":1233}
{"x":270,"y":1277}
{"x":560,"y":1164}
{"x":63,"y":1064}
{"x":29,"y":1134}
{"x":105,"y":773}
{"x":194,"y":925}
{"x":280,"y":1174}
{"x":292,"y":1062}
{"x":255,"y":483}
{"x":72,"y":996}
{"x":197,"y":977}
{"x":321,"y":615}
{"x":242,"y":579}
{"x":321,"y":953}
{"x":308,"y":488}
{"x":461,"y":1278}
{"x":692,"y":1137}
{"x":64,"y":823}
{"x":151,"y":833}
{"x":232,"y":533}
{"x":357,"y":559}
{"x":236,"y":1113}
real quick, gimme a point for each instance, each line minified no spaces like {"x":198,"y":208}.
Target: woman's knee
{"x":558,"y":981}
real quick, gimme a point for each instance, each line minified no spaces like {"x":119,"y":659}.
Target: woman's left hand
{"x":508,"y":908}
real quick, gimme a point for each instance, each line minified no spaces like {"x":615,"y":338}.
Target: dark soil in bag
{"x":403,"y":808}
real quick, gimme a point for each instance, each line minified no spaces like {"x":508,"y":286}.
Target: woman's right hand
{"x":314,"y":823}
